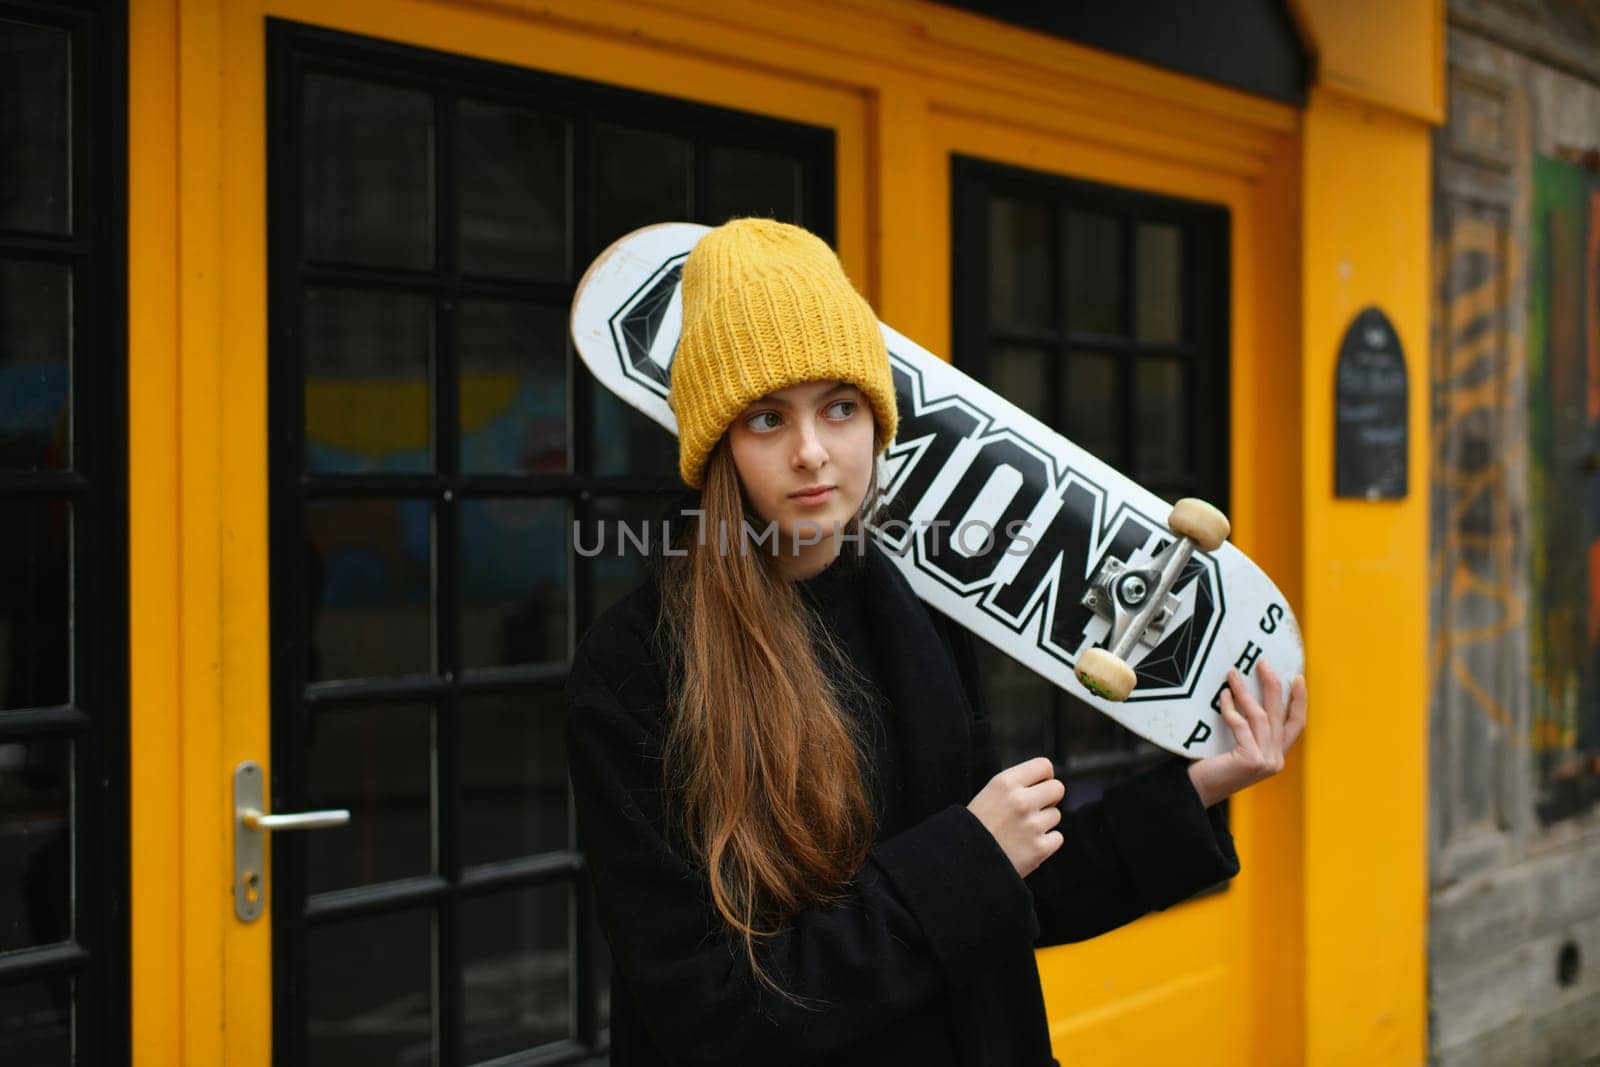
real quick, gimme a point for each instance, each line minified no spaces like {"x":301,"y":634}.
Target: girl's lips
{"x":812,"y":498}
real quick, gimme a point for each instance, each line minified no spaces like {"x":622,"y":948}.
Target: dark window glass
{"x":641,"y":178}
{"x":370,"y":995}
{"x":1094,"y":274}
{"x":371,"y":582}
{"x":748,"y":182}
{"x":368,"y":173}
{"x":626,"y":442}
{"x":1163,"y":437}
{"x":1019,"y":264}
{"x":369,"y":364}
{"x":35,"y":128}
{"x":35,"y":603}
{"x":1090,"y":381}
{"x":514,"y":774}
{"x":514,"y":569}
{"x":611,"y":543}
{"x":513,"y":391}
{"x":1160,"y":259}
{"x":35,"y":844}
{"x":1028,"y":721}
{"x":516,"y":963}
{"x":378,"y":764}
{"x":35,"y":374}
{"x":513,"y":197}
{"x":1022,"y":376}
{"x":36,"y":1022}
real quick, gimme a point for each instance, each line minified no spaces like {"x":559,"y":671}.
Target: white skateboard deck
{"x":966,"y":462}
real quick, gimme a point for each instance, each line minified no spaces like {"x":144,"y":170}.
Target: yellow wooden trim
{"x":1388,"y":55}
{"x":1364,"y":607}
{"x":156,"y":889}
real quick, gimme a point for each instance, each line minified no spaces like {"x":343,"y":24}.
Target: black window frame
{"x":95,"y":718}
{"x":1206,"y":336}
{"x":294,"y":49}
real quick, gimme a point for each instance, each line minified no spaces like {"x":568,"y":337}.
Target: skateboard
{"x":1136,"y":606}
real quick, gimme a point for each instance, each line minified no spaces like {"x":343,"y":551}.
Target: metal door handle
{"x":250,"y":827}
{"x":305,"y":820}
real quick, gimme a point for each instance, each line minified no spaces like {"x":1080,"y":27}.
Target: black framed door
{"x":63,"y":535}
{"x":433,"y":442}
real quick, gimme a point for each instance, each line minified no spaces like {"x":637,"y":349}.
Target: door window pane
{"x":35,"y":843}
{"x":748,"y":182}
{"x":1160,"y":259}
{"x":370,"y":995}
{"x":368,"y":173}
{"x":617,"y":563}
{"x":513,"y":192}
{"x":1026,"y":729}
{"x":641,"y":178}
{"x":370,"y":598}
{"x":1020,"y":375}
{"x":35,"y":128}
{"x":1094,"y":274}
{"x":36,"y":1022}
{"x":514,"y":774}
{"x":626,"y":442}
{"x":514,"y":581}
{"x":369,"y":361}
{"x":513,"y":387}
{"x":1163,"y":438}
{"x":378,"y":764}
{"x":35,"y":375}
{"x":35,"y":604}
{"x":1091,"y":404}
{"x":516,"y":970}
{"x":1019,"y":265}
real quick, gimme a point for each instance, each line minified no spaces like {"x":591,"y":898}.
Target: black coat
{"x":936,"y":950}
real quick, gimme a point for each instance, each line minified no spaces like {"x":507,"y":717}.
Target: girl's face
{"x":806,"y":436}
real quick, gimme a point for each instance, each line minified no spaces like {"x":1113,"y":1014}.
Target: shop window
{"x":1103,"y":313}
{"x":435,"y":439}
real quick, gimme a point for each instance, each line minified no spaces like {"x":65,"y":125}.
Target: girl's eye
{"x":752,"y":421}
{"x":849,"y":405}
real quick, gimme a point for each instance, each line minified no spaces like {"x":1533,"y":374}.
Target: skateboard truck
{"x":1138,"y":601}
{"x":1119,"y":591}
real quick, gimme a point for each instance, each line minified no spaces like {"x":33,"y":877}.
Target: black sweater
{"x":932,"y":960}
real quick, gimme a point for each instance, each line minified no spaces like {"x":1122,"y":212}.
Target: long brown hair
{"x":763,"y":763}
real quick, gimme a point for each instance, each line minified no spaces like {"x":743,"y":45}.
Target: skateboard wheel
{"x":1105,"y":675}
{"x":1200,"y":523}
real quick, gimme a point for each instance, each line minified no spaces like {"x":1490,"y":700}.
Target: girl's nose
{"x":811,"y":452}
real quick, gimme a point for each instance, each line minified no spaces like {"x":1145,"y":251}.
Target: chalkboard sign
{"x":1371,"y":407}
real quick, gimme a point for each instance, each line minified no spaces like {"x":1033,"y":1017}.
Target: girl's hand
{"x":1262,"y":735}
{"x":1018,"y":807}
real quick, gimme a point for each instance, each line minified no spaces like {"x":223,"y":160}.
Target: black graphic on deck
{"x":635,"y":327}
{"x":1043,"y":595}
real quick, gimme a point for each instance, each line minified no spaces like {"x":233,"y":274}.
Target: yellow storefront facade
{"x":1314,"y":955}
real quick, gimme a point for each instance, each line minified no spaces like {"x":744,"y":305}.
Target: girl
{"x":785,"y":787}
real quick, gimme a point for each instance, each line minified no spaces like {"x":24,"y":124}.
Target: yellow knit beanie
{"x":767,"y":305}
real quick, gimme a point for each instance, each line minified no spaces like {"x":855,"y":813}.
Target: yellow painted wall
{"x":1366,"y":221}
{"x":1256,"y":975}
